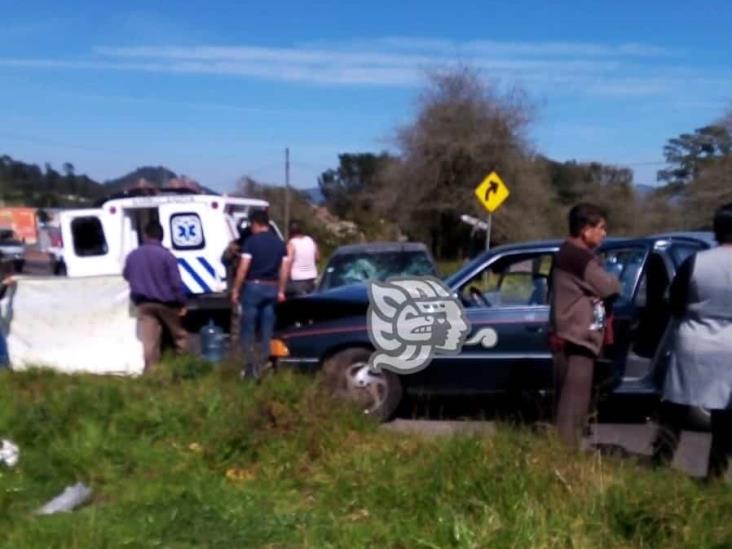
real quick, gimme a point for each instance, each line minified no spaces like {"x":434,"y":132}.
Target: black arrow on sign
{"x":492,"y":188}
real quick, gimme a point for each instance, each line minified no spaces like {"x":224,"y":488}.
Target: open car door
{"x":88,"y":246}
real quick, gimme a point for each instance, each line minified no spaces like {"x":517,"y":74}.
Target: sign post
{"x":488,"y":222}
{"x":491,"y":192}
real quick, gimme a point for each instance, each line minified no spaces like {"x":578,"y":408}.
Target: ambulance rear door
{"x":89,"y":244}
{"x":197,"y":234}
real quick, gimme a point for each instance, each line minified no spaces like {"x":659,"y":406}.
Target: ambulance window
{"x":186,"y":231}
{"x":88,"y":237}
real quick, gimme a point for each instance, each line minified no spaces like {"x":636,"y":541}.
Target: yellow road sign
{"x":491,"y":192}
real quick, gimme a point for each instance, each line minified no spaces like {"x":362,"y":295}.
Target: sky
{"x":218,"y":90}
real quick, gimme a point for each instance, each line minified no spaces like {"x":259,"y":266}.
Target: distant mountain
{"x":143,"y":176}
{"x":153,"y":177}
{"x":645,"y":190}
{"x":314,"y":194}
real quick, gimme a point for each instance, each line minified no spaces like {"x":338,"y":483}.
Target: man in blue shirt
{"x":157,"y":291}
{"x":263,"y":270}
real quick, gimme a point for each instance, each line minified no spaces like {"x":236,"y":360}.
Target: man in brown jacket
{"x":581,"y":290}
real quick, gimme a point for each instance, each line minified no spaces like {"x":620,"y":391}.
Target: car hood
{"x":339,"y":302}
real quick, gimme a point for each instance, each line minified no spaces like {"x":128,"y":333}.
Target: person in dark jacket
{"x":157,"y":291}
{"x":700,"y":368}
{"x":581,"y":291}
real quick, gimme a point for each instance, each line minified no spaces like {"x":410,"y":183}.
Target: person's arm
{"x":284,"y":275}
{"x":679,"y":291}
{"x":126,"y":270}
{"x":603,"y":283}
{"x":317,"y":251}
{"x":290,"y":252}
{"x":5,"y":284}
{"x":241,"y":274}
{"x":231,"y":254}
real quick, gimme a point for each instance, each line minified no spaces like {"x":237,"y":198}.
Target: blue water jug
{"x":213,"y":342}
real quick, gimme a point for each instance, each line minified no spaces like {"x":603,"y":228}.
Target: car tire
{"x":347,"y":375}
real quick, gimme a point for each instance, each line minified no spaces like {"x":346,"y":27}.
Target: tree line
{"x":30,"y":185}
{"x":24,"y":184}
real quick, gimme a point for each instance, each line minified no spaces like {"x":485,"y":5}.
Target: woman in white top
{"x":302,"y":254}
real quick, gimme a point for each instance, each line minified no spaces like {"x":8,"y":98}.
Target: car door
{"x":645,"y":268}
{"x":90,"y":246}
{"x":674,"y":250}
{"x":629,"y":261}
{"x":507,"y":298}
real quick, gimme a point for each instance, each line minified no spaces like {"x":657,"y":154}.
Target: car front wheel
{"x":347,"y":375}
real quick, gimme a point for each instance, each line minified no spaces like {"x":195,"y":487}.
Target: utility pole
{"x":286,"y":228}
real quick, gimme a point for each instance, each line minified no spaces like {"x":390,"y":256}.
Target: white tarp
{"x":72,"y":325}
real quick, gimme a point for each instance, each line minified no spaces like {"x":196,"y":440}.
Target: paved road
{"x":691,"y":456}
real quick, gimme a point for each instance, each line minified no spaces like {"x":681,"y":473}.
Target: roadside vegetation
{"x":192,"y":457}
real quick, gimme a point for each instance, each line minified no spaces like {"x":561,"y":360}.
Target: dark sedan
{"x":507,"y":289}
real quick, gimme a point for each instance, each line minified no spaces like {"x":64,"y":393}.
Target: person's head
{"x":587,"y":223}
{"x":259,"y":221}
{"x":295,"y":228}
{"x":723,"y":224}
{"x":154,"y":231}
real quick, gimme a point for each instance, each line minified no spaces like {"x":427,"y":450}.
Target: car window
{"x":679,"y":251}
{"x":353,"y":268}
{"x":626,"y":265}
{"x":511,"y":281}
{"x":88,"y":236}
{"x":7,"y":236}
{"x":186,"y":231}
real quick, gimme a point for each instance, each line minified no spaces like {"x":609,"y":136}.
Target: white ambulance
{"x":197,"y":228}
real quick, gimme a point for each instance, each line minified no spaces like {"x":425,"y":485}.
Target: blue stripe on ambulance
{"x":196,"y":277}
{"x":201,"y":276}
{"x":206,"y":265}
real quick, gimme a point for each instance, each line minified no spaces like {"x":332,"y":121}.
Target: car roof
{"x":704,"y":236}
{"x":553,"y":244}
{"x":380,"y":247}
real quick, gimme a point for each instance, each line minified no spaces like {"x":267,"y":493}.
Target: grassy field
{"x":195,"y":458}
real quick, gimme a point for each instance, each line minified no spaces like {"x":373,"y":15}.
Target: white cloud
{"x":619,"y":70}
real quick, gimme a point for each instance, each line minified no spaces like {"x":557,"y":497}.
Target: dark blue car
{"x":507,"y":289}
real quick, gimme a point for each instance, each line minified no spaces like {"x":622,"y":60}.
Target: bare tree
{"x":464,"y":129}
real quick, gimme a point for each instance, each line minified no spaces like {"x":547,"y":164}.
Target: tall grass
{"x":195,"y":458}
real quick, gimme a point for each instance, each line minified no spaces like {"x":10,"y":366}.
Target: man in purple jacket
{"x":157,"y":291}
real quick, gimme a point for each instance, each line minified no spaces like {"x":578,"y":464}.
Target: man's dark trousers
{"x":152,"y":318}
{"x":573,"y":372}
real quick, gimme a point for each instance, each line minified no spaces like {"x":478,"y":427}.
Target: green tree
{"x":689,"y":153}
{"x":347,"y":188}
